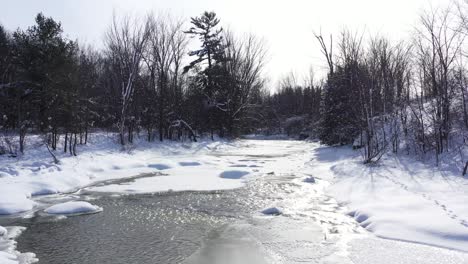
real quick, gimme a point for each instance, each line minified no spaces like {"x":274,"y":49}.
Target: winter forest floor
{"x":333,"y":209}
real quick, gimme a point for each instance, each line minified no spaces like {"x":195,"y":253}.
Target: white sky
{"x":287,"y":25}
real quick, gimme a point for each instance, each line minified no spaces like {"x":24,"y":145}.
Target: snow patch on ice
{"x":73,"y":208}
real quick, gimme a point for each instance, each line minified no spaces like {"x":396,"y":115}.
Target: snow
{"x":8,"y":252}
{"x":383,"y":251}
{"x":185,"y":166}
{"x":73,"y":207}
{"x":356,"y":205}
{"x":205,"y":178}
{"x":400,"y":198}
{"x":13,"y":200}
{"x":3,"y":231}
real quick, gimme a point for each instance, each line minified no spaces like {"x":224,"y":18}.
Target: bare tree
{"x":327,"y":51}
{"x":126,"y":40}
{"x":440,"y":42}
{"x":245,"y":63}
{"x":164,"y":56}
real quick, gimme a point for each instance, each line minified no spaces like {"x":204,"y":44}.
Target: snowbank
{"x":400,"y":198}
{"x":74,"y":207}
{"x":184,"y":165}
{"x":14,"y":201}
{"x":8,"y":252}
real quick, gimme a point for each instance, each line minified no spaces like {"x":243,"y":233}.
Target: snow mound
{"x":12,"y":201}
{"x":272,"y":211}
{"x":233,"y":174}
{"x":3,"y":231}
{"x":70,"y":208}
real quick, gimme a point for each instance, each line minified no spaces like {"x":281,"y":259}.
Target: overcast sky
{"x":287,"y":25}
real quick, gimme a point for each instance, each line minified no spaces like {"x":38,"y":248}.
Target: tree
{"x":43,"y":60}
{"x":243,"y":66}
{"x":439,"y":43}
{"x":206,"y":29}
{"x":126,"y":41}
{"x":163,"y":58}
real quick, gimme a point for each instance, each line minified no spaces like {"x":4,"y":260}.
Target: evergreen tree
{"x":211,"y":52}
{"x":46,"y":71}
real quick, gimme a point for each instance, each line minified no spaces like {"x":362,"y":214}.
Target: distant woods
{"x":406,"y":97}
{"x":380,"y":95}
{"x":145,"y":81}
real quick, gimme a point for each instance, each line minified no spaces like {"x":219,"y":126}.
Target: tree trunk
{"x":74,"y":144}
{"x":66,"y":142}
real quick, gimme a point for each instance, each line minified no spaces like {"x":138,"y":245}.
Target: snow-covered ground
{"x":400,"y":198}
{"x":334,"y":199}
{"x":181,"y":166}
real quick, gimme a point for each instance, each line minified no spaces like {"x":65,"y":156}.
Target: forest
{"x":380,"y":95}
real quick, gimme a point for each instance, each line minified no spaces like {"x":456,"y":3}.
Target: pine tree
{"x":210,"y":78}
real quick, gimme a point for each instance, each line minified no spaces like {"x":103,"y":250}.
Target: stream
{"x":194,"y":227}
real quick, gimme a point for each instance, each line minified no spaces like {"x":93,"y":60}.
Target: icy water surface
{"x":164,"y":228}
{"x":201,"y":227}
{"x":198,"y":227}
{"x":218,"y":226}
{"x":222,"y":226}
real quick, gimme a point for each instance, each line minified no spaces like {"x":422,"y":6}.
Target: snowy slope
{"x":400,"y":198}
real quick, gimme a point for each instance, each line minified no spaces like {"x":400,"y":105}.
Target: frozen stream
{"x":168,"y":228}
{"x":218,"y":226}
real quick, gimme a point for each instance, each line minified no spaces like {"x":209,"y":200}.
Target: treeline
{"x":293,"y":109}
{"x":145,"y":80}
{"x":384,"y":96}
{"x":379,"y":95}
{"x":407,"y":96}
